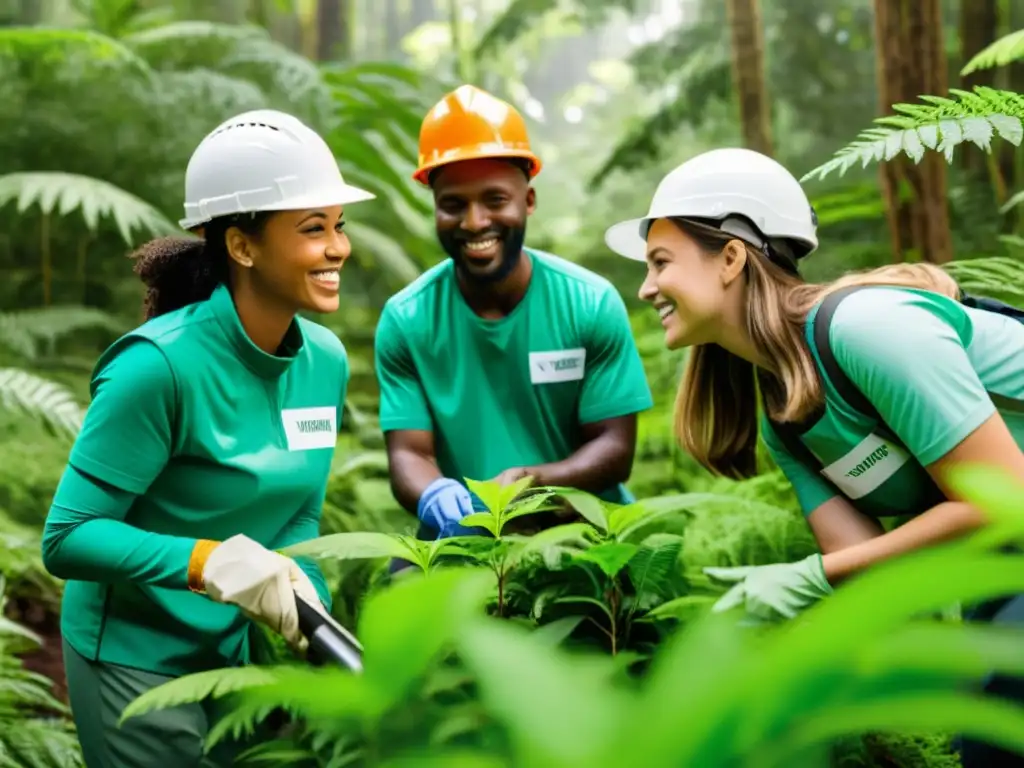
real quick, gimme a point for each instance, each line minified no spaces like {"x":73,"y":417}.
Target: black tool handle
{"x":329,"y":642}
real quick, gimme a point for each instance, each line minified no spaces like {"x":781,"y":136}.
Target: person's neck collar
{"x":261,"y":363}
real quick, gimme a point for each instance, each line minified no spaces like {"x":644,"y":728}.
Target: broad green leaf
{"x":558,"y":630}
{"x":481,"y":520}
{"x":511,"y":491}
{"x":489,"y":492}
{"x":558,"y":708}
{"x":590,"y":507}
{"x":348,"y":546}
{"x":619,"y":518}
{"x":532,"y":504}
{"x":194,"y":688}
{"x":576,"y":534}
{"x":611,"y":557}
{"x":986,"y":719}
{"x":405,"y":627}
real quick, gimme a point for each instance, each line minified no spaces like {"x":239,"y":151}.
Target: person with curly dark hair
{"x":208,"y":442}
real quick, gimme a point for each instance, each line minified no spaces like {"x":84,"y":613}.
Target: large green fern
{"x":64,"y":193}
{"x":1004,"y":50}
{"x":940,"y":124}
{"x":35,"y":728}
{"x":53,"y":403}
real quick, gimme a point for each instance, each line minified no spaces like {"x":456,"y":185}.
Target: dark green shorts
{"x":99,"y":692}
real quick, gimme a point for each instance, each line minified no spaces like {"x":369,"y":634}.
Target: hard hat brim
{"x":474,"y":153}
{"x":343,"y":194}
{"x":625,"y":238}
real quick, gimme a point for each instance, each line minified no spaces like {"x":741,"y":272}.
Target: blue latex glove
{"x":456,"y":528}
{"x":444,"y":502}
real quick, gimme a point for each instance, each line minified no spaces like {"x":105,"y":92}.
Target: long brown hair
{"x":716,"y":413}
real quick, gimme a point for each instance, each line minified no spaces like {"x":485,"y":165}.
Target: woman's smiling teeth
{"x":327,"y":277}
{"x":665,"y":310}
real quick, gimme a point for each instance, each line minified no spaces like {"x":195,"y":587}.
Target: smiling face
{"x":480,"y":211}
{"x":296,"y":260}
{"x":688,"y":286}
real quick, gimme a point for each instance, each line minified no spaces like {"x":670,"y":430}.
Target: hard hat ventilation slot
{"x":245,"y":125}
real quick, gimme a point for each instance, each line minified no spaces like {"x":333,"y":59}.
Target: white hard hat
{"x":723,"y":184}
{"x":263,"y":160}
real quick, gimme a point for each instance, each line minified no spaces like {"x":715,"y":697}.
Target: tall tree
{"x":333,"y":37}
{"x":747,"y":35}
{"x":979,"y":26}
{"x":911,"y":60}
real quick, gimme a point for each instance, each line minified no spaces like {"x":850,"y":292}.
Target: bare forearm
{"x":596,"y":466}
{"x":948,"y":520}
{"x":411,"y":473}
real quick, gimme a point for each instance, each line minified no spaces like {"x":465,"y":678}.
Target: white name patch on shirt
{"x":310,"y":428}
{"x":864,"y":469}
{"x":557,"y":366}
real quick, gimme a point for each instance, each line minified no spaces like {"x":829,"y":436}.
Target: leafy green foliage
{"x":35,"y":729}
{"x":66,"y":193}
{"x":46,"y":399}
{"x":774,"y":696}
{"x":1006,"y":49}
{"x":941,"y":124}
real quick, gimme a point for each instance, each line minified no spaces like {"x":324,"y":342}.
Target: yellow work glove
{"x":262,"y":583}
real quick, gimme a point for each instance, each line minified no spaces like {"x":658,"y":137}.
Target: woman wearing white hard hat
{"x":208,"y":442}
{"x":872,"y":385}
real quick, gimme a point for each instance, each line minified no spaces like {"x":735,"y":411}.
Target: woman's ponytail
{"x":179,"y":271}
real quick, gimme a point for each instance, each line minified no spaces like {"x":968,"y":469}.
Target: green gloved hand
{"x":770,"y":592}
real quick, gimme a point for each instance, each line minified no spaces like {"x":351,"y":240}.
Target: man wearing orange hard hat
{"x":503,"y":361}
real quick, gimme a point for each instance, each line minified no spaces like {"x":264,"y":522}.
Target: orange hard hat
{"x":468,"y":124}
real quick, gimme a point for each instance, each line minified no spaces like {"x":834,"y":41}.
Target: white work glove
{"x":262,"y":583}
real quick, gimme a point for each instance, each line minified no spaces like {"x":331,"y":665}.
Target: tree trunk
{"x":748,"y":73}
{"x":978,"y":27}
{"x":332,"y":30}
{"x":910,"y":60}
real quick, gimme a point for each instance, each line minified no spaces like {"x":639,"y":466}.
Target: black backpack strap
{"x":790,"y":437}
{"x":992,"y":305}
{"x":840,"y":381}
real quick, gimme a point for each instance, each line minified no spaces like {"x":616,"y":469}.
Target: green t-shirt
{"x":509,"y":392}
{"x":933,"y":368}
{"x":193,"y":433}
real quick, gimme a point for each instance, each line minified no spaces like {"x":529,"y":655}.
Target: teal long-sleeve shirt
{"x":192,"y":433}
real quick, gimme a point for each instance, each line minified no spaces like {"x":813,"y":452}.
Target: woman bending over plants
{"x":208,"y":443}
{"x":871,"y":386}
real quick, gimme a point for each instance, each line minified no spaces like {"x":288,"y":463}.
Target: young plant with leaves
{"x":715,"y":694}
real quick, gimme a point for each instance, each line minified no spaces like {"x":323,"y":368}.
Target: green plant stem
{"x":613,"y":599}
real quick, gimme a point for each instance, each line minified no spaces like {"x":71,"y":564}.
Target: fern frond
{"x":941,"y":125}
{"x":1004,"y":50}
{"x":1016,"y":199}
{"x":25,"y":331}
{"x":71,"y":50}
{"x":194,"y":688}
{"x":245,"y":51}
{"x":998,"y":277}
{"x":220,"y":94}
{"x":62,"y":193}
{"x":41,"y":398}
{"x":39,"y":743}
{"x":183,"y":41}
